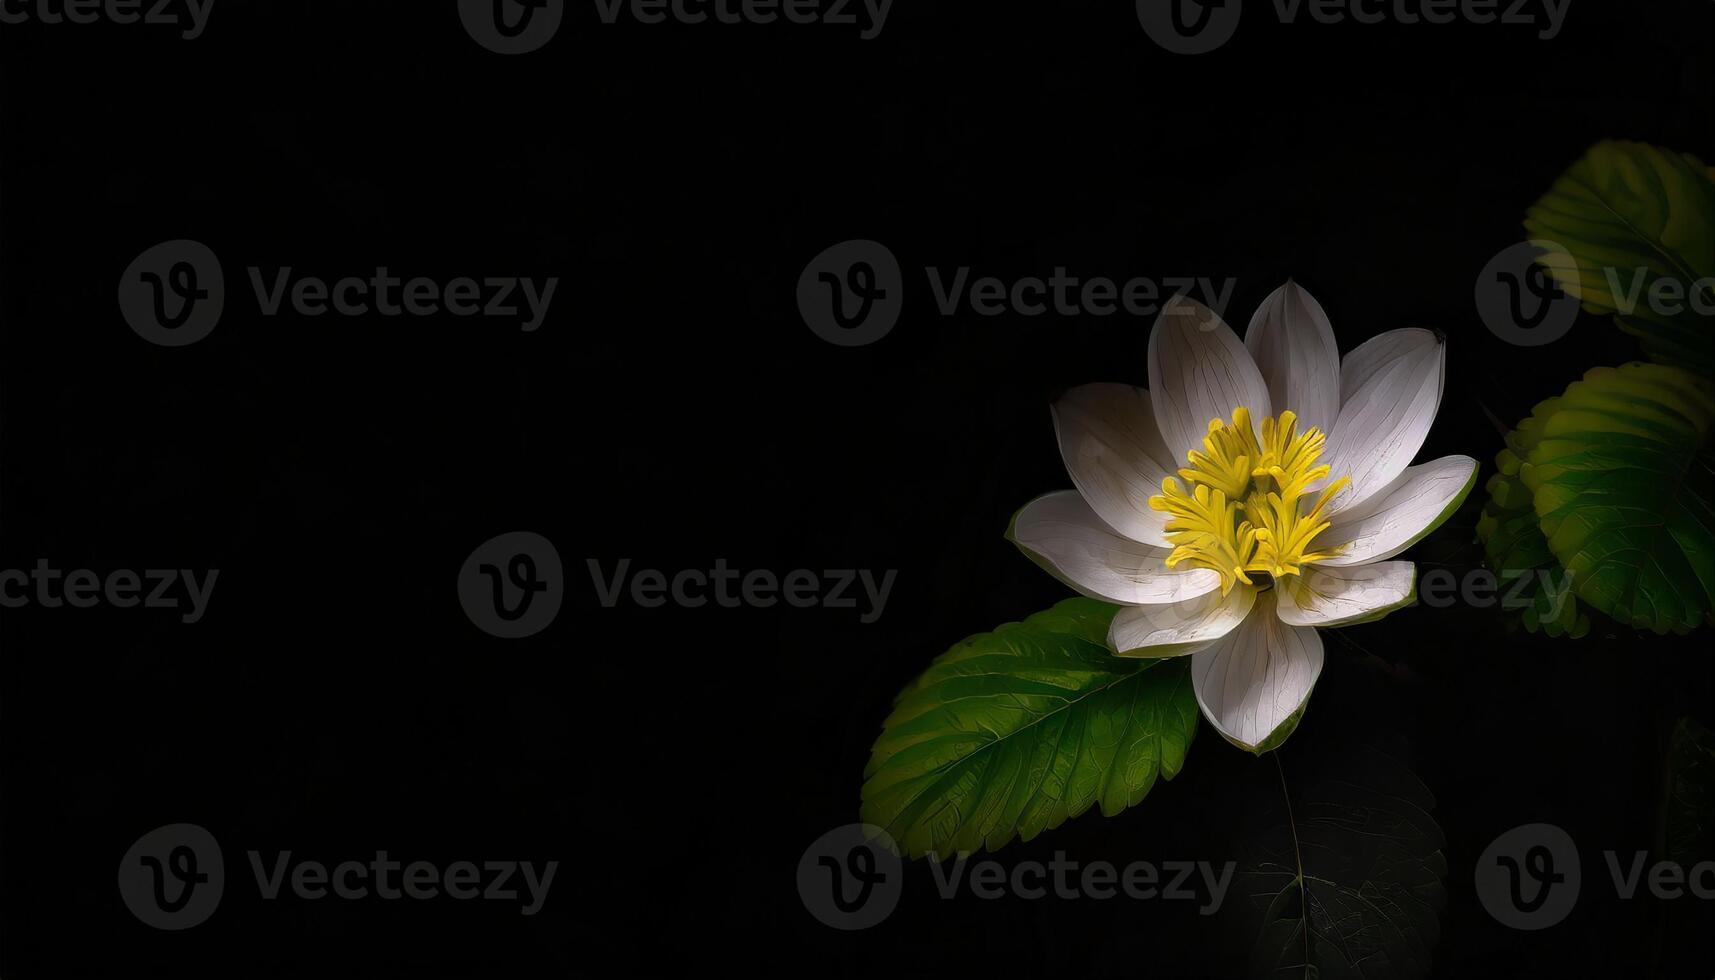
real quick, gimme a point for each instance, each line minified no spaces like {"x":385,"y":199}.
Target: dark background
{"x":674,"y":409}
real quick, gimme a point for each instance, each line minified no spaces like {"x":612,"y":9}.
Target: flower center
{"x":1240,"y":511}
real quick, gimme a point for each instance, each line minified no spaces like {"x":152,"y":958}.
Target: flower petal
{"x":1253,"y":684}
{"x":1363,"y":361}
{"x":1326,"y":596}
{"x":1399,"y":516}
{"x":1199,"y":371}
{"x":1061,"y":533}
{"x":1293,"y":346}
{"x":1384,"y":420}
{"x":1114,"y":452}
{"x":1175,"y":629}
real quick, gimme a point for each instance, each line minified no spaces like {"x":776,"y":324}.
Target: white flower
{"x":1232,"y":542}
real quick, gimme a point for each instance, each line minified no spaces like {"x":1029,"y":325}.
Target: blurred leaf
{"x":1622,"y":482}
{"x":1632,"y":216}
{"x":1012,"y":732}
{"x":1351,"y":885}
{"x":1512,"y":539}
{"x":1690,"y":811}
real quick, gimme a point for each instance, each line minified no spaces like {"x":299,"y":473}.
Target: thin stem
{"x":1298,"y":856}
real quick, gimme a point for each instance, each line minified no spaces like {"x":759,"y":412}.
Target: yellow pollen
{"x":1242,"y":508}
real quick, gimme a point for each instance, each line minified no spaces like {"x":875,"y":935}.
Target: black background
{"x":674,"y":409}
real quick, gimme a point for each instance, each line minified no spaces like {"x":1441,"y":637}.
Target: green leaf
{"x":1350,"y":886}
{"x":1014,"y":731}
{"x":1512,"y":538}
{"x":1622,"y":480}
{"x":1634,"y":215}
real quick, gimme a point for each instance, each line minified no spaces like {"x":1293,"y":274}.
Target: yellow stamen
{"x":1206,"y":531}
{"x":1230,"y":453}
{"x":1240,"y":511}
